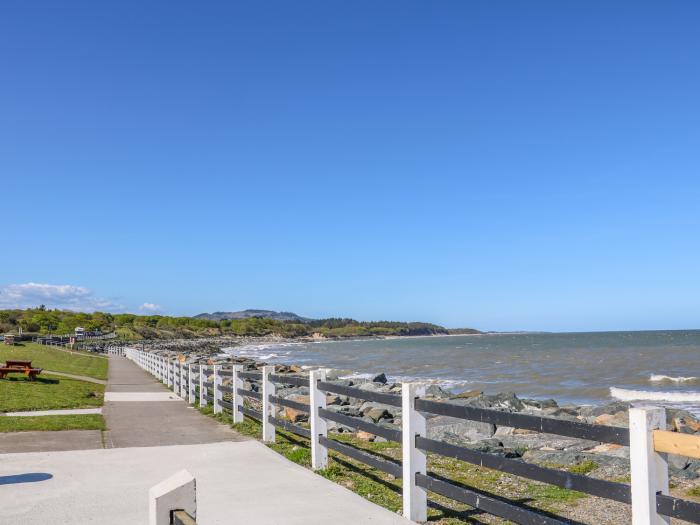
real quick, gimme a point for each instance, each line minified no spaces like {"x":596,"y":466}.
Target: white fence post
{"x":178,"y":492}
{"x":236,"y":398}
{"x":319,"y":427}
{"x":183,"y":383}
{"x":202,"y":388}
{"x":217,"y":393}
{"x":190,"y":384}
{"x":268,"y":389}
{"x":415,"y":498}
{"x":164,"y":374}
{"x":170,"y":373}
{"x":649,"y":469}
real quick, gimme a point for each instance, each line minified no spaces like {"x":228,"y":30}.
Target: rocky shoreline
{"x":600,"y":460}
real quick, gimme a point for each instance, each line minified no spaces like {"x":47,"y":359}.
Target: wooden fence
{"x":649,"y":442}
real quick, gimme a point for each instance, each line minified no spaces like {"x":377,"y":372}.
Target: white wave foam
{"x":624,"y":394}
{"x":357,"y":376}
{"x":656,"y":378}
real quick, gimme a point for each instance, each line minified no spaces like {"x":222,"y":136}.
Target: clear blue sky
{"x":503,"y":165}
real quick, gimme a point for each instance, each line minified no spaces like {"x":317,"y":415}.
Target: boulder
{"x":332,"y":399}
{"x":467,"y":394}
{"x":571,"y":458}
{"x":381,"y":378}
{"x":610,"y":408}
{"x":540,"y":404}
{"x":504,"y":431}
{"x":611,"y":449}
{"x":507,"y":401}
{"x":685,"y":425}
{"x":436,"y":392}
{"x":369,"y":405}
{"x":346,"y":410}
{"x":537,"y":441}
{"x":377,"y":413}
{"x":619,"y":419}
{"x":372,"y":387}
{"x":294,"y":415}
{"x":443,"y":427}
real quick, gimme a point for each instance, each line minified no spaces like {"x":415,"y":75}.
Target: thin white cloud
{"x":149,"y":307}
{"x":63,"y":296}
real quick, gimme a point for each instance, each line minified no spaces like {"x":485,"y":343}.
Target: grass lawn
{"x":51,"y":358}
{"x":47,"y":393}
{"x":69,"y":422}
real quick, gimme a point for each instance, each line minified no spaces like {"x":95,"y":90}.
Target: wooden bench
{"x":18,"y":363}
{"x":31,"y":373}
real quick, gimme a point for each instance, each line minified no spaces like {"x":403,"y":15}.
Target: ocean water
{"x":583,"y":368}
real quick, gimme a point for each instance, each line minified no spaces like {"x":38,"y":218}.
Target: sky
{"x":503,"y":165}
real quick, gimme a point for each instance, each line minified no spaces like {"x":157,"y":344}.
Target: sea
{"x":583,"y":368}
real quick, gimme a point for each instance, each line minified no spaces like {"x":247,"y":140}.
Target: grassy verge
{"x":385,"y":490}
{"x":58,"y":360}
{"x":47,"y":393}
{"x":67,"y":422}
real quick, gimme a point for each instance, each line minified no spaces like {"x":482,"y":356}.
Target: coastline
{"x":609,"y":461}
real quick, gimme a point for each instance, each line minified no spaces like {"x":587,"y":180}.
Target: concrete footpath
{"x":239,"y":480}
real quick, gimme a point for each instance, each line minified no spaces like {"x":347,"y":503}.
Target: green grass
{"x":584,"y":467}
{"x":50,"y":358}
{"x":47,"y":393}
{"x":67,"y":422}
{"x":694,"y":492}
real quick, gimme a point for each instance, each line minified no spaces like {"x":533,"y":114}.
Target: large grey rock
{"x":610,"y":408}
{"x":507,"y":402}
{"x":539,"y":404}
{"x":442,"y":427}
{"x":373,"y":387}
{"x":369,"y":405}
{"x":377,"y":413}
{"x":436,"y":392}
{"x":570,"y":458}
{"x":381,"y":378}
{"x":346,"y":410}
{"x":536,"y":441}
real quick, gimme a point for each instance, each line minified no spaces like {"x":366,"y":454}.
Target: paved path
{"x":42,"y":441}
{"x":80,"y":378}
{"x":237,"y":483}
{"x":141,"y":412}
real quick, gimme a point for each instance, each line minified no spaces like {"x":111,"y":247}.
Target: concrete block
{"x":178,"y":492}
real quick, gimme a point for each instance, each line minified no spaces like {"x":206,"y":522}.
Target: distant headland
{"x":244,"y":323}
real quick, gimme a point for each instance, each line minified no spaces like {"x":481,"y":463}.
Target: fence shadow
{"x":519,"y":502}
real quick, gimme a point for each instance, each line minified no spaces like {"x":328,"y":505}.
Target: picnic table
{"x":19,"y":366}
{"x":18,"y":363}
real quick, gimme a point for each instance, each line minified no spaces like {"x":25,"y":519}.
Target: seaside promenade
{"x":152,"y":434}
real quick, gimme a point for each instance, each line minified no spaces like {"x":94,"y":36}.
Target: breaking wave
{"x":624,"y":394}
{"x":657,"y":378}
